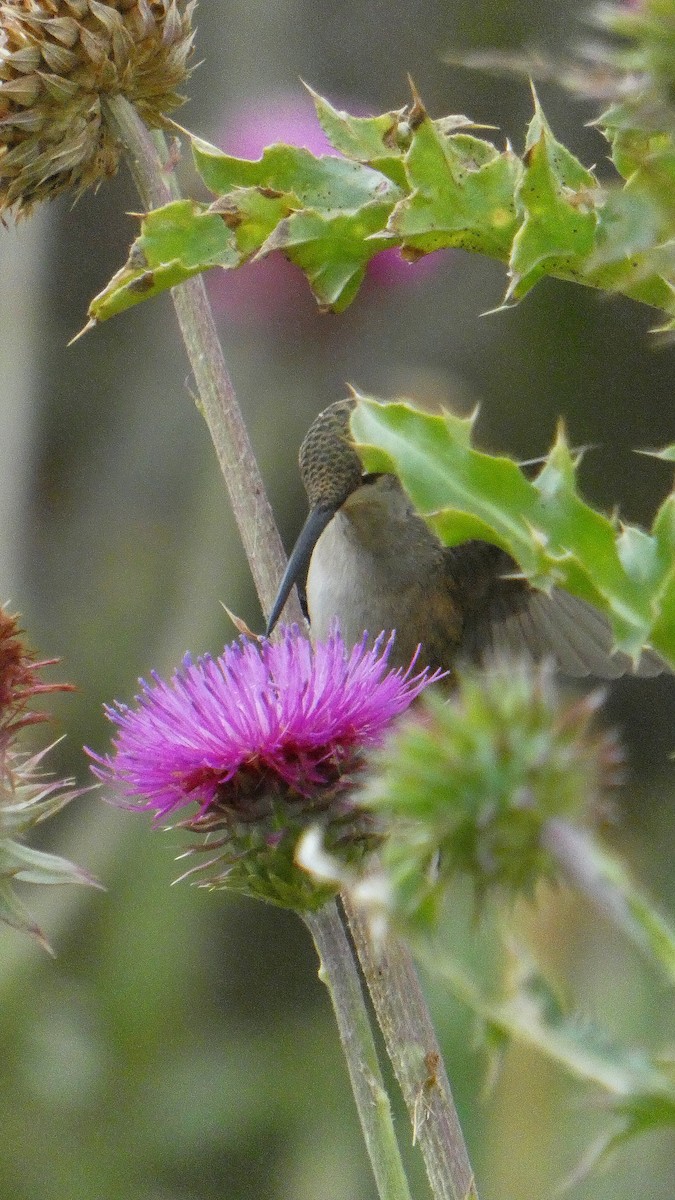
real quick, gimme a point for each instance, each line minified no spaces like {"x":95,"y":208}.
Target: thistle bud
{"x":471,"y":786}
{"x":58,"y":59}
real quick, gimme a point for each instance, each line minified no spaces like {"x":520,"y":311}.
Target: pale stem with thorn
{"x":372,"y":1101}
{"x":415,"y":1055}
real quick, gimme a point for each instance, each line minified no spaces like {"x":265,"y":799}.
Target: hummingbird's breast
{"x":377,"y":567}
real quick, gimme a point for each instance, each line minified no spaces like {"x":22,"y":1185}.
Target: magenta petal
{"x":285,"y":708}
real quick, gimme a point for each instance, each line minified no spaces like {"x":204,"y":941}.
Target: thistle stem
{"x":415,"y":1055}
{"x":607,"y":885}
{"x":339,"y":973}
{"x":152,"y":170}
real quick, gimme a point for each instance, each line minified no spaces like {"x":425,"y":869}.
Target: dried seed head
{"x":57,"y":59}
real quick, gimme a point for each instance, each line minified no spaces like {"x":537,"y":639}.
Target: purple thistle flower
{"x":276,"y":719}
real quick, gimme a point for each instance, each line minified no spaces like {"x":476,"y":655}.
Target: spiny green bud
{"x":58,"y":58}
{"x":468,"y":785}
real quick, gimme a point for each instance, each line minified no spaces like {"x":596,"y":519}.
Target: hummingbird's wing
{"x":507,"y":616}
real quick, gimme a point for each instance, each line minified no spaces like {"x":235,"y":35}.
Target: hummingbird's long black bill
{"x":298,"y":563}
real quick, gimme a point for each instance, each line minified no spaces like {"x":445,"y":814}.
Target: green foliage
{"x":460,"y":192}
{"x":403,"y":179}
{"x":554,"y":536}
{"x":319,"y":211}
{"x":27,"y":799}
{"x":556,"y":196}
{"x":176,"y":242}
{"x":634,"y":1086}
{"x":642,"y":63}
{"x":616,"y":894}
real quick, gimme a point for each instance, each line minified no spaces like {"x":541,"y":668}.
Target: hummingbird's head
{"x":329,"y":465}
{"x":331,"y":470}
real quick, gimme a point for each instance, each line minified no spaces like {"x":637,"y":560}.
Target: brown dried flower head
{"x":28,"y":795}
{"x":20,"y":681}
{"x":58,"y":58}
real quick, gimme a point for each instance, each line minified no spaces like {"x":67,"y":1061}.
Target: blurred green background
{"x":180,"y":1047}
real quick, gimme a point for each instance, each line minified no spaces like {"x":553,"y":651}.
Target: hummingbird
{"x":365,"y":557}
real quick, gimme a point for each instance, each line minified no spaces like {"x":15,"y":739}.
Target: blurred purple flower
{"x":274,"y":286}
{"x":276,"y":117}
{"x":283,"y":718}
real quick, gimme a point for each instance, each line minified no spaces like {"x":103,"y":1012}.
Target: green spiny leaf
{"x":462,"y":194}
{"x":326,"y":183}
{"x":18,"y":861}
{"x":332,"y":249}
{"x":629,"y":222}
{"x":554,"y":536}
{"x":176,"y":242}
{"x":252,"y":214}
{"x":402,"y":178}
{"x":558,"y":197}
{"x":378,"y":141}
{"x":633,"y":1083}
{"x":14,"y":914}
{"x":667,"y":454}
{"x":531,"y":1014}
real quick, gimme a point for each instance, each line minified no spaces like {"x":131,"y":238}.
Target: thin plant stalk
{"x":409,"y":1036}
{"x":439,"y":1136}
{"x":153,"y":173}
{"x":607,"y":885}
{"x":339,"y":972}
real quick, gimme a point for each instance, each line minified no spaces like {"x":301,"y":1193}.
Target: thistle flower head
{"x":58,"y":58}
{"x":263,"y":739}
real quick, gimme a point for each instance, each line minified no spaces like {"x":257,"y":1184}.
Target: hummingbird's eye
{"x":371,"y":476}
